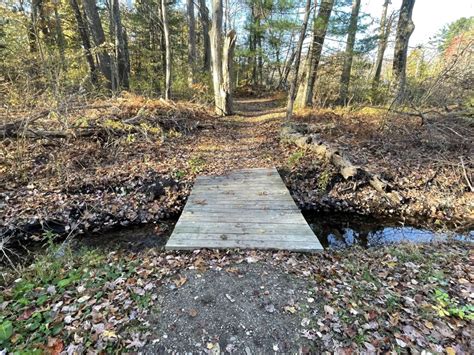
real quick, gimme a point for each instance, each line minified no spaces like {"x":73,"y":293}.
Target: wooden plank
{"x":239,"y":206}
{"x":239,"y":195}
{"x":236,"y":238}
{"x":206,"y":218}
{"x":250,"y":208}
{"x":244,"y":215}
{"x":242,"y":188}
{"x":192,"y":244}
{"x":241,"y":228}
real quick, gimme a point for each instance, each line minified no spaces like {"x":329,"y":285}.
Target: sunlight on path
{"x":247,"y":139}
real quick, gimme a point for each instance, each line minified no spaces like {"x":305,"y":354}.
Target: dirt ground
{"x":243,"y":311}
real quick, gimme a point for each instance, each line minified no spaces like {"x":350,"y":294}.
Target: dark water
{"x":345,"y":230}
{"x":134,"y":238}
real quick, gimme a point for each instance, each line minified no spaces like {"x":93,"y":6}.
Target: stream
{"x":334,"y":230}
{"x":338,"y":230}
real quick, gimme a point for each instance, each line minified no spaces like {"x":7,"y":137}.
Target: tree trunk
{"x":349,"y":54}
{"x":299,"y":47}
{"x":204,"y":16}
{"x":126,"y":55}
{"x":404,"y":30}
{"x":191,"y":42}
{"x":384,"y":32}
{"x":98,"y":37}
{"x":226,"y":86}
{"x":166,"y":32}
{"x":123,"y":68}
{"x":320,"y":27}
{"x":84,"y":35}
{"x":286,"y":69}
{"x":259,"y":58}
{"x":222,"y":55}
{"x":59,"y":35}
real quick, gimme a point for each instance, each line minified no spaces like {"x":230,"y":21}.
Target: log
{"x":312,"y":142}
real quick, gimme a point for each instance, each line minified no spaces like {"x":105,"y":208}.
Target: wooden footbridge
{"x":246,"y":209}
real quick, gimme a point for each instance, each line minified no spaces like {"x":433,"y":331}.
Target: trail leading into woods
{"x":247,"y":139}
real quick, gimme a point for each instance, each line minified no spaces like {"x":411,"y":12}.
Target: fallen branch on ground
{"x":292,"y":133}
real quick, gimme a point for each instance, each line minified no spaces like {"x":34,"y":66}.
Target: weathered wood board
{"x":246,"y":209}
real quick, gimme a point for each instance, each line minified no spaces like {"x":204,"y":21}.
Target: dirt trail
{"x":245,"y":140}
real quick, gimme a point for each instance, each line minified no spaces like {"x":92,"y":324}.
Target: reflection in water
{"x":342,"y":230}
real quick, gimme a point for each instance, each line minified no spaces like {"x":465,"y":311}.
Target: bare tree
{"x":166,"y":33}
{"x":222,"y":55}
{"x":299,"y":47}
{"x":287,"y":68}
{"x":320,"y":27}
{"x":84,"y":36}
{"x":121,"y":50}
{"x":59,"y":34}
{"x":95,"y":26}
{"x":204,"y":16}
{"x":404,"y":30}
{"x":349,"y":53}
{"x":384,"y":33}
{"x":191,"y":42}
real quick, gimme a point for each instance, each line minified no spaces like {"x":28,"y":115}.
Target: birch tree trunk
{"x":166,"y":32}
{"x":191,"y":42}
{"x":204,"y":16}
{"x":384,"y":32}
{"x":349,"y":54}
{"x":222,"y":56}
{"x":95,"y":26}
{"x":404,"y":30}
{"x":299,"y":47}
{"x":320,"y":27}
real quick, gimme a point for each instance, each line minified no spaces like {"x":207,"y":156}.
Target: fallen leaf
{"x":26,"y":314}
{"x":329,"y":310}
{"x":180,"y":281}
{"x":193,"y":312}
{"x":109,"y":334}
{"x":428,"y":325}
{"x":55,"y":346}
{"x":401,"y":343}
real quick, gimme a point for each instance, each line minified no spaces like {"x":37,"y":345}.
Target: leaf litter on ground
{"x":387,"y":298}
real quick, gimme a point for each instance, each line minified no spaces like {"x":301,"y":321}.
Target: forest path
{"x":247,"y":139}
